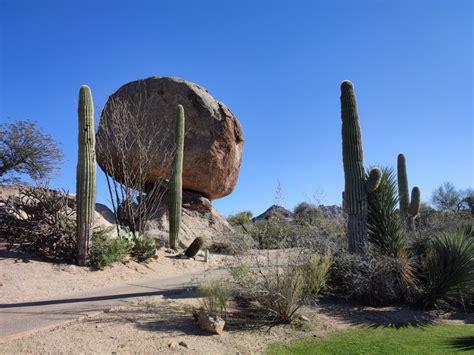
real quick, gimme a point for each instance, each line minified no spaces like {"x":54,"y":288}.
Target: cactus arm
{"x":414,"y":208}
{"x":404,"y":198}
{"x":86,"y":175}
{"x":176,"y":182}
{"x":374,"y":179}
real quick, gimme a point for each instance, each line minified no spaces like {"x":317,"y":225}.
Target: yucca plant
{"x":385,"y":229}
{"x":383,"y":221}
{"x":449,"y":275}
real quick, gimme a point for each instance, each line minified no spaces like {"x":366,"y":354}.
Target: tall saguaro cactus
{"x":408,"y":209}
{"x":356,"y":185}
{"x":86,"y":176}
{"x":176,"y":182}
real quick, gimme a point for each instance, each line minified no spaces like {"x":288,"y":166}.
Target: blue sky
{"x":277,"y":65}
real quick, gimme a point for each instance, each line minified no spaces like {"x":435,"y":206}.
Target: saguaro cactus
{"x":408,"y":210}
{"x":176,"y":181}
{"x":86,"y":176}
{"x":356,"y":185}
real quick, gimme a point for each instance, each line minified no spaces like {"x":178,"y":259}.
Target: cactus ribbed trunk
{"x":176,"y":182}
{"x":86,"y":176}
{"x":355,"y":191}
{"x":403,"y":196}
{"x":408,"y":210}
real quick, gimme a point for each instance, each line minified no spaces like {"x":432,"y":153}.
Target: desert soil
{"x":25,"y":279}
{"x":159,"y":325}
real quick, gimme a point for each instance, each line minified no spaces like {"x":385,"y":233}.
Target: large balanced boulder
{"x":213,"y":141}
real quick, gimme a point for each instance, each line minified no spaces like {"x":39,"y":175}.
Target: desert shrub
{"x":106,"y":251}
{"x":373,"y":281}
{"x":215,"y":297}
{"x":449,"y":270}
{"x":315,"y":274}
{"x":240,"y":219}
{"x":237,"y":243}
{"x":275,"y":280}
{"x":39,"y":220}
{"x":307,"y":214}
{"x":144,"y":248}
{"x":273,"y":233}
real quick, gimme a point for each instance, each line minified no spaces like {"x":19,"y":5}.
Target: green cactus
{"x":86,"y":176}
{"x":176,"y":181}
{"x":408,"y":210}
{"x":356,"y":185}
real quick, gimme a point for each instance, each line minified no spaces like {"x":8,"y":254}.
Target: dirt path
{"x":20,"y":319}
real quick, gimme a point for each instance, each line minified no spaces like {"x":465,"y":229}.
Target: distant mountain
{"x":331,"y":212}
{"x":275,"y":209}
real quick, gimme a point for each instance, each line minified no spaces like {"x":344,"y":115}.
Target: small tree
{"x":26,"y":150}
{"x":447,"y":198}
{"x":240,"y":219}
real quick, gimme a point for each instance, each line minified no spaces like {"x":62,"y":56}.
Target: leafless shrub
{"x":130,"y":137}
{"x":39,"y":220}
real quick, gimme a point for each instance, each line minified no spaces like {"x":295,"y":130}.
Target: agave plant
{"x":450,"y":270}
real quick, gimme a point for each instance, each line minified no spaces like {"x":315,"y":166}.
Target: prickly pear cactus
{"x":356,"y":185}
{"x":86,"y":176}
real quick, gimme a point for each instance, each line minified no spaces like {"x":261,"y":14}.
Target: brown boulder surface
{"x":213,"y":142}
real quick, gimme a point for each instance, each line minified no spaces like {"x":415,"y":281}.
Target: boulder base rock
{"x":199,"y":219}
{"x":213,"y":142}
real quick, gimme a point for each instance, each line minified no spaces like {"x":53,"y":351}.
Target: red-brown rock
{"x":213,"y":142}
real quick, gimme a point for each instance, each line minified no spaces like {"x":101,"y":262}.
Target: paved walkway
{"x":20,"y":319}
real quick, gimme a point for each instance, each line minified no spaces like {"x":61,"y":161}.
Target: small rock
{"x":173,"y":344}
{"x":303,"y":318}
{"x":212,"y":324}
{"x":184,"y":344}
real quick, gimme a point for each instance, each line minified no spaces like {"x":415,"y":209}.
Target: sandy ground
{"x":159,"y":325}
{"x":24,"y":279}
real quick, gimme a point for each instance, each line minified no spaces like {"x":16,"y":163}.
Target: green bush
{"x":240,"y":219}
{"x":215,"y":297}
{"x":273,"y":233}
{"x":144,"y":248}
{"x":315,"y":274}
{"x":106,"y":251}
{"x":449,"y":278}
{"x":307,"y":214}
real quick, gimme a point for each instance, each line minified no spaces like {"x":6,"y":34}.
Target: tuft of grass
{"x":315,"y":274}
{"x":433,"y":339}
{"x":215,"y":297}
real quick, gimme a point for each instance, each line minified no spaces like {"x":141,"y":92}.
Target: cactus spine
{"x":408,"y":210}
{"x":86,"y":176}
{"x":356,"y":186}
{"x":176,"y":182}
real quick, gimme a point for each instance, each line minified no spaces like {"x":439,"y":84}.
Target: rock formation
{"x":213,"y":142}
